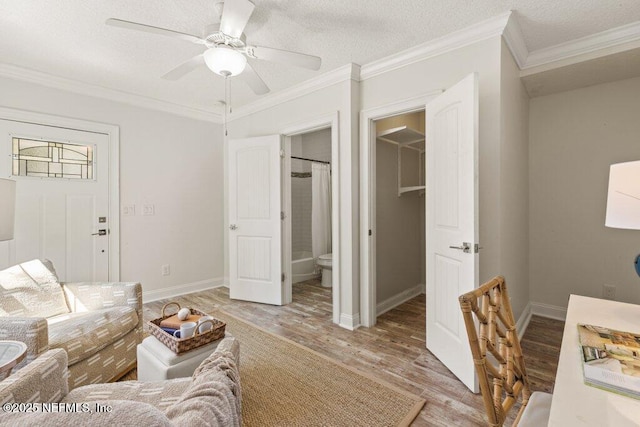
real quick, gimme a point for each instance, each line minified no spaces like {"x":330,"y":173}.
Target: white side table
{"x":11,"y":353}
{"x":156,"y":362}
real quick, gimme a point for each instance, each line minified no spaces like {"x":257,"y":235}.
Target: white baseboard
{"x":398,"y":299}
{"x":178,"y":290}
{"x":350,"y":322}
{"x":523,"y":321}
{"x":550,"y":311}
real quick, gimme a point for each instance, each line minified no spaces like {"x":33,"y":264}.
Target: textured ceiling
{"x":69,"y":38}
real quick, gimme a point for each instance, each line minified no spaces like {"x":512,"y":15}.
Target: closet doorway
{"x":399,"y":209}
{"x":451,"y":224}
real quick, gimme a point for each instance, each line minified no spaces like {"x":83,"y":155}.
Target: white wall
{"x":503,"y":155}
{"x":514,"y":182}
{"x":340,"y":98}
{"x":439,"y":73}
{"x":574,"y":137}
{"x":172,"y":162}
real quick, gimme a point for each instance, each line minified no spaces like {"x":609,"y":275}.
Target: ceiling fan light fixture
{"x":225,"y":61}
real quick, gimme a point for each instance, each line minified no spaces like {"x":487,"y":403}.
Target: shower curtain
{"x":320,"y":209}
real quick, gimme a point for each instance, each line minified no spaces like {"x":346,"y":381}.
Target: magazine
{"x":611,"y":359}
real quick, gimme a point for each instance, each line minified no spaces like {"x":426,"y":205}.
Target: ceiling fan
{"x":227,"y":50}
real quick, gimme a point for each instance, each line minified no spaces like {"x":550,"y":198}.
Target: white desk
{"x":575,"y":403}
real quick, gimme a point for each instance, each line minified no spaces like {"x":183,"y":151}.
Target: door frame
{"x":324,"y":122}
{"x":113,"y":134}
{"x":368,"y":300}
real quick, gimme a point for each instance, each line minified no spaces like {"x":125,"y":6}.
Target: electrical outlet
{"x":166,"y":270}
{"x":608,"y":292}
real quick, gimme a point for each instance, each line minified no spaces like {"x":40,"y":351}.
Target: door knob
{"x":233,"y":227}
{"x":466,"y":247}
{"x":101,"y":232}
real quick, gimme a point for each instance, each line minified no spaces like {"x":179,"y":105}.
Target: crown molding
{"x":37,"y":77}
{"x":600,"y":44}
{"x":344,"y":73}
{"x":481,"y":31}
{"x":515,"y":41}
{"x":590,"y":47}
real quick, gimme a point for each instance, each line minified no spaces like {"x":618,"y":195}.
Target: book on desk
{"x":610,"y":359}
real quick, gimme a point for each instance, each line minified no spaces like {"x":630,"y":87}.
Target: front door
{"x":62,"y":198}
{"x":451,"y":222}
{"x":255,"y":260}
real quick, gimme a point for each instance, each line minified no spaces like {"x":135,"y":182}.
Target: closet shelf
{"x":408,"y":189}
{"x":405,"y":137}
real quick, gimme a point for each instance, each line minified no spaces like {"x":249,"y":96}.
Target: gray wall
{"x":314,"y":145}
{"x":400,"y":238}
{"x":574,"y":137}
{"x":514,"y":183}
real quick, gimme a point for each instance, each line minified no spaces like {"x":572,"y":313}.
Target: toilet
{"x":324,"y":262}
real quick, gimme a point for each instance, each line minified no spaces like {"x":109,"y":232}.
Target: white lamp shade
{"x":225,"y":61}
{"x":623,"y":199}
{"x":7,"y":208}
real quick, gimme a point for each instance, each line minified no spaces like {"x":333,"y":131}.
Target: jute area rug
{"x":287,"y":384}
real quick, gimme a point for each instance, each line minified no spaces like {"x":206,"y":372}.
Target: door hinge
{"x":282,"y":215}
{"x":282,"y":153}
{"x":370,"y":233}
{"x":282,"y":277}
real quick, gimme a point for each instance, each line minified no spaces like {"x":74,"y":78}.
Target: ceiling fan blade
{"x":154,"y":30}
{"x":185,"y":68}
{"x":285,"y":56}
{"x":235,"y":15}
{"x":253,"y":80}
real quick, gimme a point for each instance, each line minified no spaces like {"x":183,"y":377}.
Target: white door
{"x":451,"y":222}
{"x":62,"y":198}
{"x":254,"y":220}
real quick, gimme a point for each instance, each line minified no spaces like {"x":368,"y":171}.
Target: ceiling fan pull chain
{"x":227,"y":95}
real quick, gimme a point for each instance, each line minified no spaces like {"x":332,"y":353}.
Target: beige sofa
{"x":37,"y":395}
{"x":99,"y":325}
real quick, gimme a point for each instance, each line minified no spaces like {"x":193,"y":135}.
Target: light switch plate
{"x":128,"y":210}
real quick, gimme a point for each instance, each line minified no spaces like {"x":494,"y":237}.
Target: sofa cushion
{"x":214,"y":397}
{"x":43,"y":380}
{"x":84,"y":334}
{"x":31,"y":289}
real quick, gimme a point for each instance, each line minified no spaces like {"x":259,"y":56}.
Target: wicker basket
{"x":181,"y":345}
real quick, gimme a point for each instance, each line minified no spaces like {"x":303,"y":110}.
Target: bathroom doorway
{"x":311,"y":208}
{"x":310,"y":213}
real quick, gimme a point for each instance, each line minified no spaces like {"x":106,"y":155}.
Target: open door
{"x":254,"y":220}
{"x":452,"y":222}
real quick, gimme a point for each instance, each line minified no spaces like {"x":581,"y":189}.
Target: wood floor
{"x":394,"y":350}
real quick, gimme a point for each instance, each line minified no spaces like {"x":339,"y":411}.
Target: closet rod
{"x":311,"y":160}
